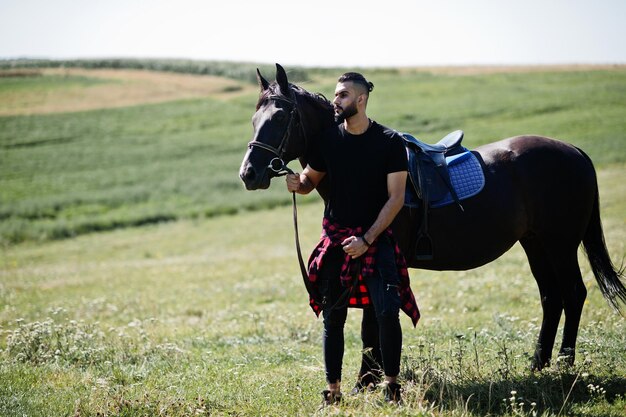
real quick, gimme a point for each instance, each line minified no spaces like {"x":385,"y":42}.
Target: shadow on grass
{"x":545,"y":393}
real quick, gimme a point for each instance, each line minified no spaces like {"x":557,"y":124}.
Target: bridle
{"x":277,"y":164}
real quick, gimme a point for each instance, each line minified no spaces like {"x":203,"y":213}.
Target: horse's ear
{"x":281,"y":79}
{"x":262,"y":81}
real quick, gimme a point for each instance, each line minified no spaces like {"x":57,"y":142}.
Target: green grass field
{"x":201,"y":311}
{"x":63,"y":175}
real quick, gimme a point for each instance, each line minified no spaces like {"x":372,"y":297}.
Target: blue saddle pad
{"x":466,"y":176}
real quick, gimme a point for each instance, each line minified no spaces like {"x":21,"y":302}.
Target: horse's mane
{"x":317,"y":99}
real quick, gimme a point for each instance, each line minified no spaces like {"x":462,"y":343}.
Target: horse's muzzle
{"x":252,"y":179}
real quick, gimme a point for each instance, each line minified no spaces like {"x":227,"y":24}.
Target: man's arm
{"x":306,"y":182}
{"x":396,"y":183}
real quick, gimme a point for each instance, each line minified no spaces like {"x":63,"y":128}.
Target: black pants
{"x":371,"y":358}
{"x":383,"y":290}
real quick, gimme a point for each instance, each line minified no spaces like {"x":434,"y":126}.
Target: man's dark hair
{"x":357,"y":78}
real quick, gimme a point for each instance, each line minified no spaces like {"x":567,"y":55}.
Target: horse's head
{"x":278,"y":134}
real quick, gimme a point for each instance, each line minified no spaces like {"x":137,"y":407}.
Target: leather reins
{"x":280,"y":168}
{"x":343,"y":300}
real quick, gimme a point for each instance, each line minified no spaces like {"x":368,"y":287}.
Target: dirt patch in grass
{"x":20,"y":72}
{"x":108,"y":88}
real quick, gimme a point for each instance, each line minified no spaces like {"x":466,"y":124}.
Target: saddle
{"x":428,"y":169}
{"x":430,"y":181}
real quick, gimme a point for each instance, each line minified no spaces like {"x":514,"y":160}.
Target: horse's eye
{"x":279,"y":117}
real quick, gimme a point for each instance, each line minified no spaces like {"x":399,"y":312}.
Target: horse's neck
{"x":316,"y":119}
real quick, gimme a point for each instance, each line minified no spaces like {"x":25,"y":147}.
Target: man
{"x":357,"y":262}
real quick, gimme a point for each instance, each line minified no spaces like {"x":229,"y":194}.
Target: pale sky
{"x":320,"y":32}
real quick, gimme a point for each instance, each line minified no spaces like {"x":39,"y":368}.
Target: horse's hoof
{"x":537,"y":364}
{"x":566,"y":358}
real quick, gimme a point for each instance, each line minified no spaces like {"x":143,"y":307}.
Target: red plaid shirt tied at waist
{"x":332,"y":235}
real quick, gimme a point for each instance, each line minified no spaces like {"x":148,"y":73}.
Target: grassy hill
{"x":97,"y":163}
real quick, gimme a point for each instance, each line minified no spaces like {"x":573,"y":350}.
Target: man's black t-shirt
{"x":357,"y":166}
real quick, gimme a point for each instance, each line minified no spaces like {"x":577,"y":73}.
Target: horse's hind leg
{"x":574,"y":294}
{"x":551,"y":301}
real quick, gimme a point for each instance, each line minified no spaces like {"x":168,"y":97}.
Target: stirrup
{"x":424,"y":248}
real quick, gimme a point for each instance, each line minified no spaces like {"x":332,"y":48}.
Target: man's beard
{"x":348,"y":112}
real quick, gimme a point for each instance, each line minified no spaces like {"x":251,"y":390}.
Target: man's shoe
{"x":367,"y":382}
{"x":330,"y":398}
{"x":392,"y":393}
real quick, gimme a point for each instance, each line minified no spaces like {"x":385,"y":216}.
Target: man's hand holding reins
{"x":304,"y":183}
{"x":293,"y":182}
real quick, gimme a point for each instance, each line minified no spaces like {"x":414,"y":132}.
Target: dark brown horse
{"x":538,"y":191}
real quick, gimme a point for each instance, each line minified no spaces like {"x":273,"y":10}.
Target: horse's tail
{"x":608,"y":277}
